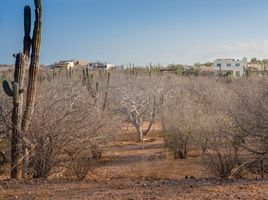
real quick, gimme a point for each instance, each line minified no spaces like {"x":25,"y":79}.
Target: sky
{"x":141,"y":31}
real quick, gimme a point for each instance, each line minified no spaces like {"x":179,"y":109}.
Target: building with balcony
{"x":230,"y":67}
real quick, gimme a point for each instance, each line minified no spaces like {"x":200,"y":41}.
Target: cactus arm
{"x":34,"y":67}
{"x":27,"y":20}
{"x":7,"y":88}
{"x":27,"y":32}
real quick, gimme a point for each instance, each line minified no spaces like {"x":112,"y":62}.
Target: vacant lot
{"x":140,"y":171}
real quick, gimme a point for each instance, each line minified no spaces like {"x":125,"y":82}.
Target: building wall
{"x":82,"y":62}
{"x":64,"y":64}
{"x":237,"y":67}
{"x":257,"y":66}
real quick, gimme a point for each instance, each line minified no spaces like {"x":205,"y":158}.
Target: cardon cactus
{"x":33,"y":77}
{"x":16,"y":92}
{"x":20,"y":120}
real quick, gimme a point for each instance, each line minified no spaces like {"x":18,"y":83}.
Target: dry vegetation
{"x":129,"y":134}
{"x":141,"y":131}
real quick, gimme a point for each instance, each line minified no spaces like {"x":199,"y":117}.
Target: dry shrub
{"x":237,"y":125}
{"x":223,"y":159}
{"x":198,"y":113}
{"x":251,"y":115}
{"x":83,"y":161}
{"x":67,"y":119}
{"x":181,"y":115}
{"x":177,"y":143}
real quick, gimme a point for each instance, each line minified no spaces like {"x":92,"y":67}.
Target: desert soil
{"x":144,"y":171}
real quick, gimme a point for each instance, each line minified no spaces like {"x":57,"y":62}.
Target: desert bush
{"x":177,"y":143}
{"x":223,"y":160}
{"x":251,"y":115}
{"x":84,"y":160}
{"x":5,"y":128}
{"x":223,"y":156}
{"x":67,"y":118}
{"x":195,"y":115}
{"x":238,"y":112}
{"x":5,"y":122}
{"x":181,"y":114}
{"x":218,"y":144}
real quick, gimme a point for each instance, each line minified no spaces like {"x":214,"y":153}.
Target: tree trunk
{"x":139,"y":134}
{"x":184,"y":151}
{"x":181,"y":153}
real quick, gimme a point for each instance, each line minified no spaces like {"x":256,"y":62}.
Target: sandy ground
{"x":139,"y":171}
{"x":129,"y":189}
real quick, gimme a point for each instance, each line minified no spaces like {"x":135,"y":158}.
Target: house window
{"x":237,"y":64}
{"x":229,"y":65}
{"x":218,"y":65}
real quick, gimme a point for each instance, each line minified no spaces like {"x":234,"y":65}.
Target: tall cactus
{"x":16,"y":93}
{"x":33,"y":77}
{"x":20,"y":121}
{"x":34,"y":67}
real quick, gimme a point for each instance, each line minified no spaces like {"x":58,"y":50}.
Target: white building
{"x":100,"y":65}
{"x":69,"y":64}
{"x":232,"y":66}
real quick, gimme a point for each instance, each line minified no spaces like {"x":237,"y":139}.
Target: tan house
{"x":81,"y":63}
{"x":203,"y":69}
{"x":257,"y":66}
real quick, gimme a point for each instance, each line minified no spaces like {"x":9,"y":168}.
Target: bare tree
{"x":137,"y":101}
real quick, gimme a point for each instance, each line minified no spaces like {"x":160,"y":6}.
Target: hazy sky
{"x":141,"y":31}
